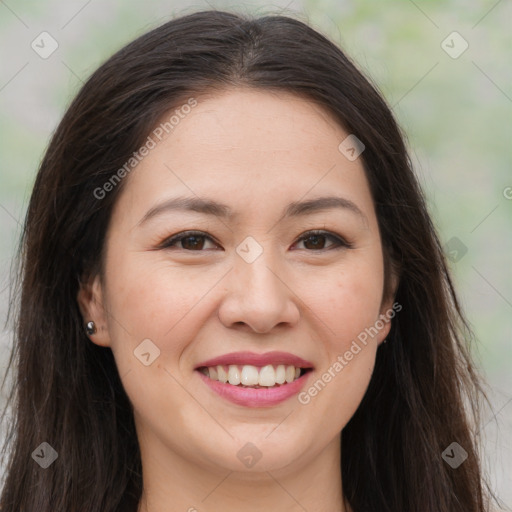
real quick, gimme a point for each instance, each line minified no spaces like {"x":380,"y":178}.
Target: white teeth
{"x":290,"y":374}
{"x":221,"y":374}
{"x":280,"y":374}
{"x":267,"y":376}
{"x":249,"y":375}
{"x":234,"y":375}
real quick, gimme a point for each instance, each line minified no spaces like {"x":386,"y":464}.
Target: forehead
{"x":247,"y":147}
{"x":256,"y":120}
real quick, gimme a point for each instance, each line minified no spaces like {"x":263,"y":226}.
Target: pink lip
{"x":242,"y":358}
{"x":255,"y":397}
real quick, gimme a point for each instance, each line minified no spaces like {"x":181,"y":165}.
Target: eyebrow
{"x":210,"y":207}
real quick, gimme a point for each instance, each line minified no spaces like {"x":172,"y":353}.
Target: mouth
{"x":255,"y":380}
{"x":257,"y":377}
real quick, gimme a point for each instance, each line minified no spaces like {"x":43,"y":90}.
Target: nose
{"x":258,"y":297}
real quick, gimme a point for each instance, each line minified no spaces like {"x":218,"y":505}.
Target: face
{"x":263,"y":281}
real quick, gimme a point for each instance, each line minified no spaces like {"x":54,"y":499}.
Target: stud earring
{"x":90,"y":328}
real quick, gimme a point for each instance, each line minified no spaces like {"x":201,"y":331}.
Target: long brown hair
{"x":424,"y":393}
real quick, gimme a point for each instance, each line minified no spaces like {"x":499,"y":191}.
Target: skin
{"x":256,"y":151}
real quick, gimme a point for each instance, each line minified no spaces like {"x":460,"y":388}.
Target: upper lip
{"x":252,"y":358}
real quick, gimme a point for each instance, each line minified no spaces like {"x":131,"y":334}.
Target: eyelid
{"x":343,"y":243}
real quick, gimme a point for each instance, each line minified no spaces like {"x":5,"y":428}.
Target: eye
{"x":195,"y":241}
{"x":190,"y":240}
{"x":316,"y":239}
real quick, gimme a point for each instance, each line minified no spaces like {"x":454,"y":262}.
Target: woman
{"x":232,"y":293}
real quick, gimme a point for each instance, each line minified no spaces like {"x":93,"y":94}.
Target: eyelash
{"x":342,"y":243}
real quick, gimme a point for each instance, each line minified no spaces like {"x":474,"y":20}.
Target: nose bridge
{"x":259,"y":278}
{"x":257,"y":294}
{"x":253,"y":263}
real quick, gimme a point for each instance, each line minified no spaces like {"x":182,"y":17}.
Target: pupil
{"x":316,"y":237}
{"x":194,"y":244}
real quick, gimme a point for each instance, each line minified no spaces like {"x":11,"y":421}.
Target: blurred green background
{"x":456,"y":111}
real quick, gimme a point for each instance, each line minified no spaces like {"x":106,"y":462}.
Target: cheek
{"x":153,"y":302}
{"x":347,"y":301}
{"x":348,"y":307}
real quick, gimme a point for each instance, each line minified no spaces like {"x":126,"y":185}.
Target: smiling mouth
{"x":256,"y":377}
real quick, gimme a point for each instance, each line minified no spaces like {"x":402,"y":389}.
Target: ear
{"x":91,"y":303}
{"x":388,"y":308}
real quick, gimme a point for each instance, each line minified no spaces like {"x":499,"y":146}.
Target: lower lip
{"x":255,"y":397}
